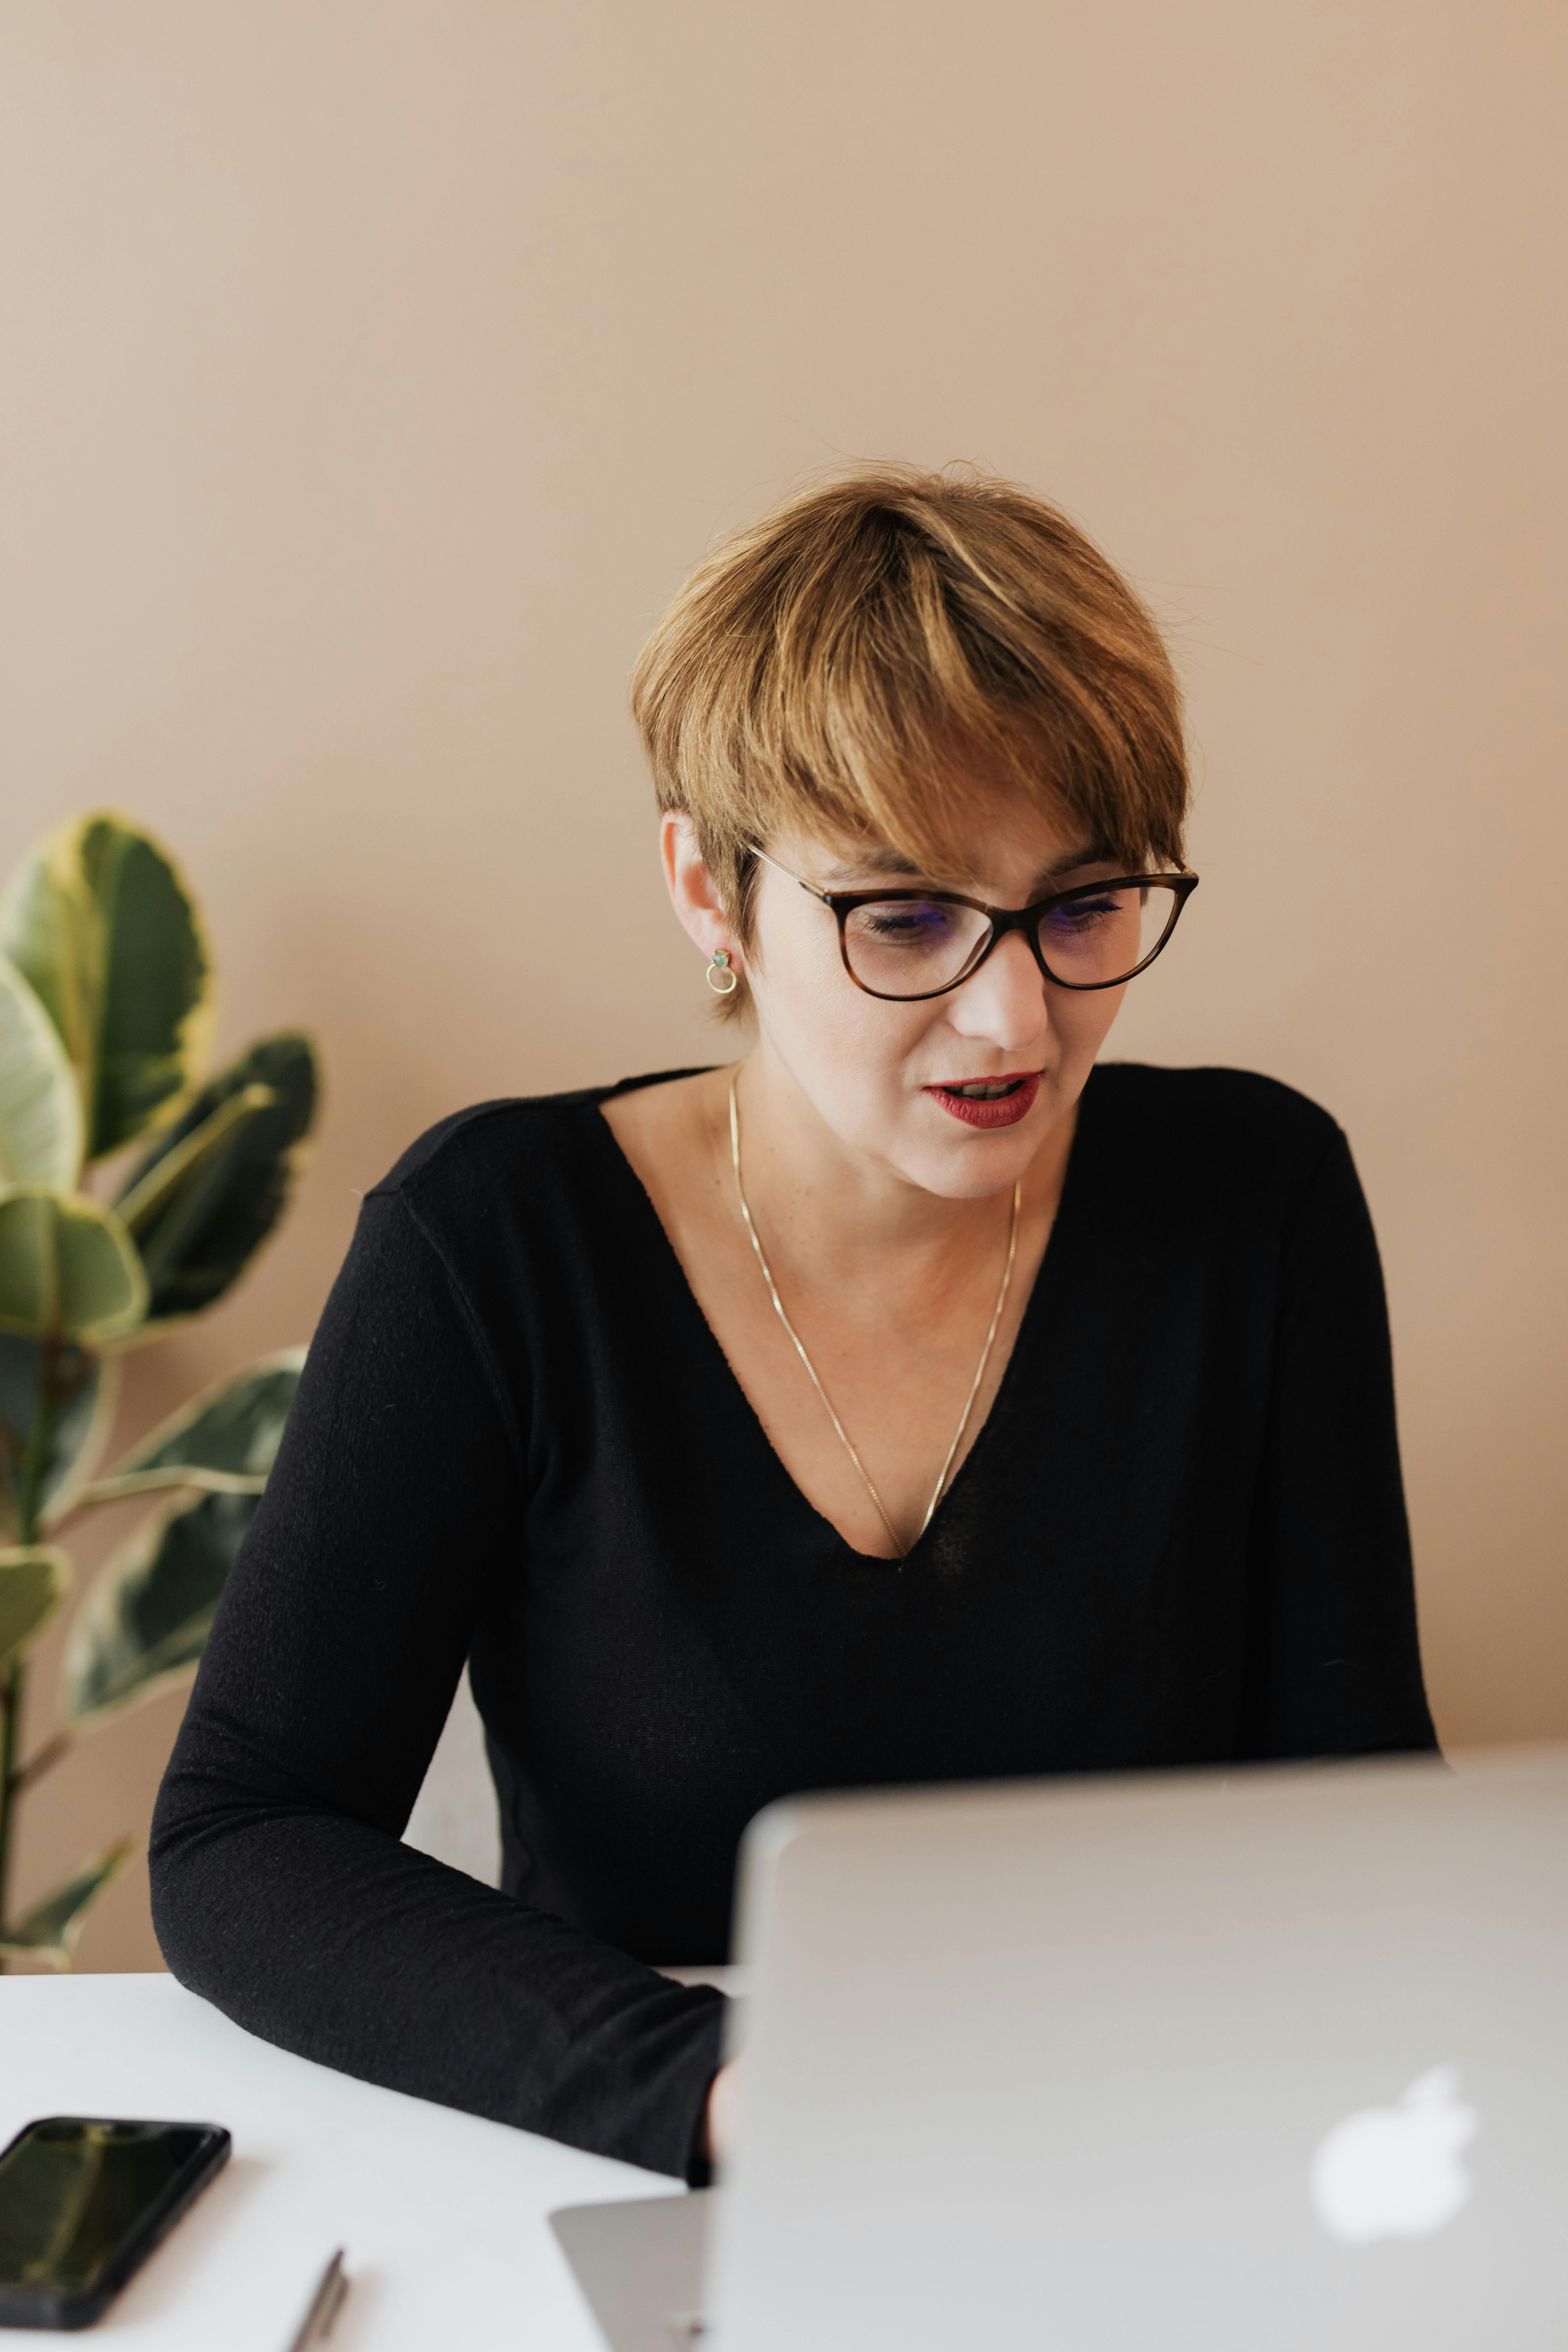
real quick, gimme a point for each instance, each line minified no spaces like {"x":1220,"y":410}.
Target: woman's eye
{"x":900,"y":926}
{"x":1082,"y":913}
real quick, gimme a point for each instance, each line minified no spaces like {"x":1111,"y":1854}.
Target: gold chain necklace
{"x":937,"y":1491}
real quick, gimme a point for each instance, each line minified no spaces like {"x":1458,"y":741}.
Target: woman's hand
{"x":722,"y":2107}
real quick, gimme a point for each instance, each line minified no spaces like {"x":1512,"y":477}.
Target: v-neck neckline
{"x":1050,"y":1259}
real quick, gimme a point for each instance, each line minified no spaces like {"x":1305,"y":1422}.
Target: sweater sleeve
{"x":1335,"y":1666}
{"x":280,"y":1889}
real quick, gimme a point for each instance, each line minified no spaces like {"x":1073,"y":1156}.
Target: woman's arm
{"x":280,"y":1889}
{"x":1334,"y":1667}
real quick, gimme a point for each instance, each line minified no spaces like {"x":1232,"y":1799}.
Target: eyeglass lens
{"x":910,"y":947}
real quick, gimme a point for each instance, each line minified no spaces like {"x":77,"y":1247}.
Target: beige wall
{"x":375,"y":366}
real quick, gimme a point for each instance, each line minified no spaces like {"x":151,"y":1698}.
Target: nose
{"x":1005,"y":1004}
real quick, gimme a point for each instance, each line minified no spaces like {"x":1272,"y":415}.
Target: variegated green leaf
{"x":173,"y":1167}
{"x":102,"y":925}
{"x":197,"y":1234}
{"x":224,"y":1439}
{"x":67,"y":1268}
{"x":41,"y":1136}
{"x":34,"y":1581}
{"x":85,"y":1386}
{"x":147,"y":1618}
{"x":49,"y":931}
{"x":51,"y":1929}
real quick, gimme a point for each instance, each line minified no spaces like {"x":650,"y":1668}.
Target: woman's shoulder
{"x":502,"y":1148}
{"x":1214,"y":1120}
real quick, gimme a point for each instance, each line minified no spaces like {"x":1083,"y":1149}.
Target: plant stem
{"x":47,"y":1757}
{"x":41,"y":1444}
{"x":10,"y":1720}
{"x":29,"y":1500}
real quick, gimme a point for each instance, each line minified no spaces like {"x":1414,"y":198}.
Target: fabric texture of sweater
{"x":1179,"y":1538}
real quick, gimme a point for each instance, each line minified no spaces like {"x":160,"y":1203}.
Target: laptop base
{"x":640,"y":2262}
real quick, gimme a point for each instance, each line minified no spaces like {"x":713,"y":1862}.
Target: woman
{"x":916,"y":1399}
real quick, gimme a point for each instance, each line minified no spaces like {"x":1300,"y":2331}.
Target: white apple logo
{"x":1395,"y":2172}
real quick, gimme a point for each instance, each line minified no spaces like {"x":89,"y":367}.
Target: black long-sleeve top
{"x":1179,"y":1538}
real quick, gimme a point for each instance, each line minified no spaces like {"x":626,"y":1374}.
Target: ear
{"x":692,"y":891}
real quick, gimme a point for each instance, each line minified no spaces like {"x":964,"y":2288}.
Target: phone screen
{"x":82,"y":2200}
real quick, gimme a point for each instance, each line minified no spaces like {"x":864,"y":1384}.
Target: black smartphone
{"x":84,"y":2201}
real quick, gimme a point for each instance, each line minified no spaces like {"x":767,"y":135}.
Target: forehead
{"x":996,"y":865}
{"x":848,"y":869}
{"x":997,"y":839}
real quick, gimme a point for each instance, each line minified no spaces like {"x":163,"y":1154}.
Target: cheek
{"x":1083,"y":1022}
{"x":841,"y":1043}
{"x":796,"y":979}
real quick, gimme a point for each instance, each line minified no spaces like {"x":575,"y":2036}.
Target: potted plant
{"x":134,"y":1193}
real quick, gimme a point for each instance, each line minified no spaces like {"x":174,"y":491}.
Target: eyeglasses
{"x":904,"y":945}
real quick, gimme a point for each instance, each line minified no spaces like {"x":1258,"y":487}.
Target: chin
{"x":965,"y":1163}
{"x":979,"y":1168}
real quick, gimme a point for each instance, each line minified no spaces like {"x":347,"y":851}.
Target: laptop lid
{"x":1249,"y":2062}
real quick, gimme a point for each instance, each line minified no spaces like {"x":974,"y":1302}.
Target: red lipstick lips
{"x":989,"y":1110}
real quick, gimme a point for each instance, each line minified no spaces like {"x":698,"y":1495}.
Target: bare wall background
{"x":375,"y":368}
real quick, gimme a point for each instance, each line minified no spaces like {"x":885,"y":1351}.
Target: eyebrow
{"x":877,"y":858}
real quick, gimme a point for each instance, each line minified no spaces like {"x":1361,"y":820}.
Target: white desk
{"x":443,"y":2215}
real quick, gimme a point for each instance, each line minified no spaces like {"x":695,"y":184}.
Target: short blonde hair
{"x":864,"y":660}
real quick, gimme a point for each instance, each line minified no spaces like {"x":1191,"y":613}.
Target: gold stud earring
{"x":718,"y":976}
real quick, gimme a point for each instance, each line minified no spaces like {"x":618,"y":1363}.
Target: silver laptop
{"x":1262,"y":2062}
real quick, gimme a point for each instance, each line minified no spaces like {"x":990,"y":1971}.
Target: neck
{"x":846,"y":1217}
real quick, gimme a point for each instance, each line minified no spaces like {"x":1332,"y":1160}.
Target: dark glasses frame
{"x":1001,"y":919}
